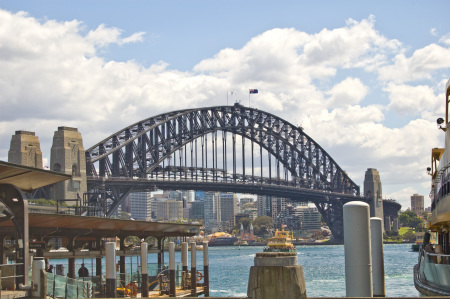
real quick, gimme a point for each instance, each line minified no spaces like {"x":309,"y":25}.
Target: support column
{"x":110,"y":251}
{"x":98,"y":260}
{"x":172,"y":288}
{"x":160,"y":253}
{"x":205,"y":269}
{"x":144,"y":269}
{"x":184,"y":262}
{"x":193,"y":270}
{"x":122,"y":262}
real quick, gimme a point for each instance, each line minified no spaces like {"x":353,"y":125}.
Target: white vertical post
{"x":171,"y":269}
{"x":144,"y":269}
{"x":38,"y":266}
{"x":110,"y":259}
{"x":358,"y":267}
{"x":193,"y":270}
{"x":376,"y":234}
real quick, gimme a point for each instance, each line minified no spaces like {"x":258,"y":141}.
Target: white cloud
{"x":347,"y":92}
{"x":406,"y":99}
{"x":52,"y":75}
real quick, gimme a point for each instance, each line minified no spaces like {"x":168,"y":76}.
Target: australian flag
{"x":253,"y":91}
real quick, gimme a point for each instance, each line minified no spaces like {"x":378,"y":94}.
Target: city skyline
{"x":364,"y":81}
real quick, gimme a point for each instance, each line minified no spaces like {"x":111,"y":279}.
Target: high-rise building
{"x":167,"y":209}
{"x":141,"y":205}
{"x":228,"y":209}
{"x":417,"y":204}
{"x":212,"y":209}
{"x":270,"y":206}
{"x":198,"y":210}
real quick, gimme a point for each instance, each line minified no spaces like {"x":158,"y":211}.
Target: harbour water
{"x":323,"y":268}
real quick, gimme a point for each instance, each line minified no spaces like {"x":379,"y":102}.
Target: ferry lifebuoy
{"x":199,"y":276}
{"x":131,"y":289}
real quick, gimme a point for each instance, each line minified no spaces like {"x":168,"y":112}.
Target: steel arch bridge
{"x":223,"y":148}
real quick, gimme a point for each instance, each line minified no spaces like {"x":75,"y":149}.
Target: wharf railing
{"x":59,"y":286}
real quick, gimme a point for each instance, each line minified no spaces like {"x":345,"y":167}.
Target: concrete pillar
{"x":357,"y":249}
{"x":122,"y":261}
{"x":110,"y":251}
{"x":68,"y":156}
{"x":205,"y":269}
{"x":144,"y":269}
{"x":193,"y":270}
{"x":172,"y":269}
{"x":276,"y":275}
{"x":387,"y":223}
{"x":376,"y":235}
{"x":25,"y":149}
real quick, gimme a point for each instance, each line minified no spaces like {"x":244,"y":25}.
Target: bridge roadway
{"x":279,"y":190}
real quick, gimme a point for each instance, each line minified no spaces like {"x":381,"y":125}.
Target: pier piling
{"x":376,"y":236}
{"x":193,"y":270}
{"x":172,"y":286}
{"x":144,"y":269}
{"x":357,"y":250}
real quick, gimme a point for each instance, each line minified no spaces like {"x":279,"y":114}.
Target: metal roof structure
{"x":28,"y":178}
{"x":57,"y":225}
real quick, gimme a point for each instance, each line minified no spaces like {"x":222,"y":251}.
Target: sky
{"x":365,"y":79}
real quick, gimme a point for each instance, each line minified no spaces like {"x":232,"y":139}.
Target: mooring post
{"x":276,"y":275}
{"x":357,"y":249}
{"x":193,"y":270}
{"x":376,"y":235}
{"x":172,"y":269}
{"x":144,"y":269}
{"x":184,"y":262}
{"x":110,"y":252}
{"x":205,"y":269}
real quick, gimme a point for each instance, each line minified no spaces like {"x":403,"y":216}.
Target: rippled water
{"x":323,"y":267}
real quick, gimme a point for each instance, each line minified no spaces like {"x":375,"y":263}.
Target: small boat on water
{"x":280,"y":242}
{"x":432,"y":273}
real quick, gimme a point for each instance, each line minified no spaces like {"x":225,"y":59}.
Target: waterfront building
{"x":140,"y":205}
{"x":417,"y":204}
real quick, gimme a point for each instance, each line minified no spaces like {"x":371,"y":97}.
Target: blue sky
{"x":365,"y":79}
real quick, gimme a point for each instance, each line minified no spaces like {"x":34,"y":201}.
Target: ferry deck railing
{"x":434,"y":268}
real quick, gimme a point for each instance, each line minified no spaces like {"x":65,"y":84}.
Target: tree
{"x":262,"y":225}
{"x":245,"y":222}
{"x":410,"y":219}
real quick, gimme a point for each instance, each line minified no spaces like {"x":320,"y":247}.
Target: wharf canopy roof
{"x":64,"y":225}
{"x":28,"y":178}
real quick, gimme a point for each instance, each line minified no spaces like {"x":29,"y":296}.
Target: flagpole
{"x":249,"y":98}
{"x":227,"y":97}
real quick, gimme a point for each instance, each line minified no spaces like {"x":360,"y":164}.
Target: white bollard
{"x":38,"y":266}
{"x":376,"y":234}
{"x":110,"y":259}
{"x":358,"y":267}
{"x":144,"y":269}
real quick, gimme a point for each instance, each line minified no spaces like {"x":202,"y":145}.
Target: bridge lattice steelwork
{"x":224,"y":148}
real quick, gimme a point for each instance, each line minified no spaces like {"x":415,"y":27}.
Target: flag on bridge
{"x":253,"y":91}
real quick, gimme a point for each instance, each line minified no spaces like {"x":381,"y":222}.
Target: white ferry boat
{"x":432,"y":273}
